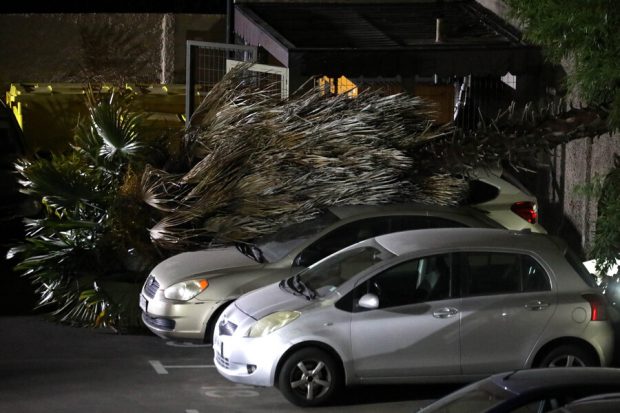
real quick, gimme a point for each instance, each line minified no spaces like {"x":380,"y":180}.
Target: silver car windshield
{"x":327,"y":275}
{"x":276,"y":246}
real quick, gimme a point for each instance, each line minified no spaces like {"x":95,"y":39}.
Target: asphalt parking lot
{"x":45,"y":367}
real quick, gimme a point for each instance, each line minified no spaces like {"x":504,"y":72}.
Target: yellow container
{"x":49,"y":113}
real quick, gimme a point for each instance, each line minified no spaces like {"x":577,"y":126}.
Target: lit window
{"x":337,"y":86}
{"x":510,"y":80}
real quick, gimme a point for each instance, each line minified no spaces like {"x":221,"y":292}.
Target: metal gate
{"x":205,"y":65}
{"x":266,"y":76}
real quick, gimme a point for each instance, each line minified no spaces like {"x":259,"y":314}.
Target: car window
{"x":353,"y":232}
{"x":415,"y":281}
{"x":486,"y":273}
{"x":480,"y":192}
{"x":342,"y":237}
{"x":535,"y":278}
{"x":579,"y":268}
{"x":329,"y":274}
{"x":276,"y":246}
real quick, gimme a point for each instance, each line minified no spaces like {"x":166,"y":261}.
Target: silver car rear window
{"x":579,"y":268}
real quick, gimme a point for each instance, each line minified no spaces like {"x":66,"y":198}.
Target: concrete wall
{"x":206,"y":28}
{"x":72,"y":47}
{"x":134,"y":48}
{"x":566,"y":210}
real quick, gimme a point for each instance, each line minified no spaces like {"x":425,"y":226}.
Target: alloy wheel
{"x":311,"y":379}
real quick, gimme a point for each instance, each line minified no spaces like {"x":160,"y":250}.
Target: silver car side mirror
{"x":369,"y":301}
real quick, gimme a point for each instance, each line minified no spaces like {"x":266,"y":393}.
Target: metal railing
{"x":205,"y":65}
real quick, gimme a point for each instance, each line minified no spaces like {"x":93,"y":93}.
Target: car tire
{"x":208,"y":338}
{"x":568,"y":356}
{"x":309,"y":377}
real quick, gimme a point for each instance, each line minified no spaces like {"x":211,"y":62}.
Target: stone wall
{"x":73,"y":48}
{"x":565,"y":210}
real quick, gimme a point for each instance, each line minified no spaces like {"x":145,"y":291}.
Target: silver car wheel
{"x":309,"y":377}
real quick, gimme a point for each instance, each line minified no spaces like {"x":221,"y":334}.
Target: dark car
{"x":593,"y":404}
{"x":530,"y":390}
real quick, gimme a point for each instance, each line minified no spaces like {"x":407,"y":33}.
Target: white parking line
{"x":237,"y":390}
{"x":163,"y":369}
{"x":191,"y":411}
{"x":186,"y":344}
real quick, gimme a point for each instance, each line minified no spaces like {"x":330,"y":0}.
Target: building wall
{"x":206,"y":28}
{"x":49,"y":57}
{"x":133,"y":48}
{"x":70,"y":47}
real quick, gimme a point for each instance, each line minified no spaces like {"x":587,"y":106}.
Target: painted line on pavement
{"x":237,"y":390}
{"x":163,"y":369}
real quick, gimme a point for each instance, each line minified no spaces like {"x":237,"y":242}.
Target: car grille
{"x":151,"y":286}
{"x":222,"y":361}
{"x":226,"y":328}
{"x":161,"y":323}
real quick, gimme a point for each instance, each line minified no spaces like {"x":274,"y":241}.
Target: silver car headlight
{"x":186,"y":290}
{"x":272,"y":322}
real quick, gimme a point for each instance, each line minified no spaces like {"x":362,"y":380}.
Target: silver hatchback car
{"x":451,"y":305}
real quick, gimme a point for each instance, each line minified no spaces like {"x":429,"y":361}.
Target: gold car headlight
{"x":272,"y":322}
{"x":186,"y":290}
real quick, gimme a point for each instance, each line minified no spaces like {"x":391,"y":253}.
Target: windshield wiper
{"x":251,"y":250}
{"x":303,"y":288}
{"x":297,"y":287}
{"x":289,"y":287}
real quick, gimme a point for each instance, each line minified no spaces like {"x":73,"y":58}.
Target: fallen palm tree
{"x":256,"y":163}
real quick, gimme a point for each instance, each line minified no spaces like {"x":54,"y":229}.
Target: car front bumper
{"x":250,"y":361}
{"x":176,"y":320}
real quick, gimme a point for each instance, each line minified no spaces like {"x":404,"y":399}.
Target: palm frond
{"x":64,"y":183}
{"x":117,"y":127}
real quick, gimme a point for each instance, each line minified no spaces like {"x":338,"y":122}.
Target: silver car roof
{"x":347,"y":211}
{"x":400,"y":243}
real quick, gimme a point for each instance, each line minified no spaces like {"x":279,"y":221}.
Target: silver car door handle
{"x":445,"y":312}
{"x":537,"y":305}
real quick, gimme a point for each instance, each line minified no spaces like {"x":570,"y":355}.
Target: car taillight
{"x":598,"y":309}
{"x":526,"y":210}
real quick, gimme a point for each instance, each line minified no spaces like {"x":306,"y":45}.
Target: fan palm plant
{"x":89,"y":250}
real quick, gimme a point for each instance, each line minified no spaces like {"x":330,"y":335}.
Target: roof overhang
{"x":385,"y":39}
